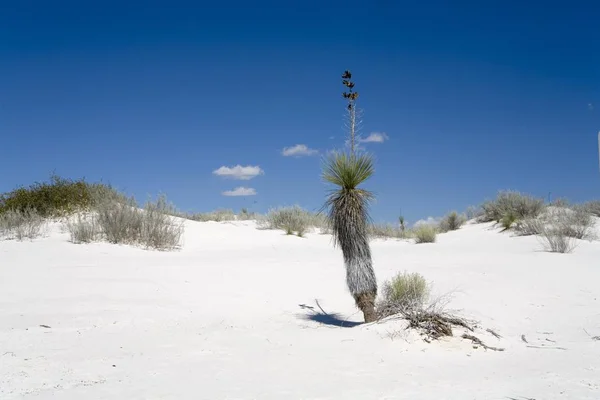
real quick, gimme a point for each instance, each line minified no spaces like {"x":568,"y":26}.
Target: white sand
{"x":222,"y":319}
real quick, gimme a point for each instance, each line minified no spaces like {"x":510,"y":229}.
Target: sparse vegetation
{"x":452,"y":222}
{"x":84,"y":229}
{"x":592,"y":207}
{"x":511,"y":205}
{"x":575,"y":222}
{"x":153,"y":226}
{"x":529,"y":226}
{"x":219,"y":215}
{"x":292,"y":220}
{"x":387,"y":231}
{"x":21,"y":224}
{"x":425,"y":234}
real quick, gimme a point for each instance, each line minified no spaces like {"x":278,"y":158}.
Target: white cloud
{"x":428,"y":221}
{"x":240,"y":191}
{"x":590,"y":107}
{"x":298,"y":150}
{"x":239,"y":172}
{"x":374,"y":137}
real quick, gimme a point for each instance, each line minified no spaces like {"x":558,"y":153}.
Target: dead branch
{"x":478,"y":341}
{"x":496,"y":335}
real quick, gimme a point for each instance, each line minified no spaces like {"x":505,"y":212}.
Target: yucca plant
{"x":348,"y":213}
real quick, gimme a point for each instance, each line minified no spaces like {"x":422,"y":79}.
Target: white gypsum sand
{"x":229,"y":317}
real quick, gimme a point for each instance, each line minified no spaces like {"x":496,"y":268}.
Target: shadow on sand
{"x":325,"y":318}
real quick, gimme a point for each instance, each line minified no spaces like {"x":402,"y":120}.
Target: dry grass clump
{"x":21,"y":224}
{"x":84,"y":229}
{"x":556,"y":241}
{"x":592,"y":207}
{"x":425,"y":233}
{"x":152,"y":226}
{"x":511,"y":205}
{"x":289,"y":219}
{"x":452,"y":222}
{"x":405,"y":291}
{"x":219,"y":215}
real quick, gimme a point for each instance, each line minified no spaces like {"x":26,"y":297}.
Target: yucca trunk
{"x":349,"y":217}
{"x":360,"y":276}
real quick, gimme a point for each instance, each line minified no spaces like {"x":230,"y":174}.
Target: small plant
{"x":452,"y":222}
{"x":406,"y":291}
{"x":21,"y":224}
{"x":425,"y":234}
{"x":508,"y":220}
{"x":402,"y":223}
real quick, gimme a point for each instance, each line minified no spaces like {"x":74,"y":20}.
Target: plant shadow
{"x":323,"y":317}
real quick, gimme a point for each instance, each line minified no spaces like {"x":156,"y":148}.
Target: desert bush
{"x":405,"y":291}
{"x":120,"y":222}
{"x":21,"y":224}
{"x":289,"y":219}
{"x":452,"y":222}
{"x":575,"y":222}
{"x":425,"y":233}
{"x":159,"y":230}
{"x":83,"y":229}
{"x":57,"y":197}
{"x":507,"y":202}
{"x":555,"y":240}
{"x":473,"y":212}
{"x":592,"y":207}
{"x":529,"y":226}
{"x":153,"y":226}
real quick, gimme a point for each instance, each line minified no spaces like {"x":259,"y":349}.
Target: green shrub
{"x":508,"y":220}
{"x":452,"y":222}
{"x":425,"y":234}
{"x":405,"y":292}
{"x":519,"y":205}
{"x":58,"y":197}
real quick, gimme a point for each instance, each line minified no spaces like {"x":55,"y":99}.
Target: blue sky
{"x":155,"y":97}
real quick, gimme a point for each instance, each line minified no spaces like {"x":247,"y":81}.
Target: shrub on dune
{"x":425,"y":233}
